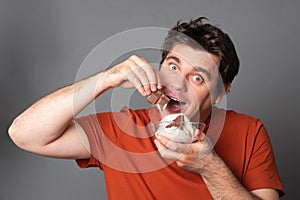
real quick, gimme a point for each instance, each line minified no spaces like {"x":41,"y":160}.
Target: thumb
{"x":200,"y":136}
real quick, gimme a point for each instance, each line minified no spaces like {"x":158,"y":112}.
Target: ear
{"x":222,"y":93}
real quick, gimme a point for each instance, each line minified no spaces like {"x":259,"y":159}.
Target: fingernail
{"x":153,"y":88}
{"x":158,"y":137}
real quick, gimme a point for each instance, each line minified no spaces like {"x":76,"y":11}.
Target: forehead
{"x":194,"y":57}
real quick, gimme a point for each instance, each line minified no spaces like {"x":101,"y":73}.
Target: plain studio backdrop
{"x":43,"y":44}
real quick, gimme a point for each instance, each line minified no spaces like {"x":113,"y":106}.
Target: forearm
{"x":221,"y":182}
{"x":47,"y":119}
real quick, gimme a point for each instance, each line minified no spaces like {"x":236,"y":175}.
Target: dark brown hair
{"x":205,"y":36}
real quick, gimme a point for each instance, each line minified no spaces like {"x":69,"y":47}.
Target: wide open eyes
{"x":197,"y":78}
{"x":173,"y":67}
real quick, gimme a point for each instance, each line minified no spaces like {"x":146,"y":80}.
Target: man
{"x":232,"y":157}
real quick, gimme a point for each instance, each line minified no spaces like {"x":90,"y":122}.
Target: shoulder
{"x":139,"y":116}
{"x":241,"y":125}
{"x":242,"y":120}
{"x":242,"y":117}
{"x":110,"y":118}
{"x":138,"y":113}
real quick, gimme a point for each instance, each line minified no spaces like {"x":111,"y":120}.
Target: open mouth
{"x":175,"y":104}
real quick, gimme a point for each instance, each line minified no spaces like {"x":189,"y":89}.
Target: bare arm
{"x":222,"y":183}
{"x":47,"y":127}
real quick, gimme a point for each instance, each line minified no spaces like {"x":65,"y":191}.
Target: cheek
{"x":167,"y":81}
{"x":212,"y":90}
{"x":201,"y":96}
{"x":164,"y":76}
{"x":215,"y":86}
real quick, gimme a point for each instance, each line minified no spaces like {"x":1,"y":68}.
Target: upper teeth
{"x":174,"y":99}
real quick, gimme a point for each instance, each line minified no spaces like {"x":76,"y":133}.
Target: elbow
{"x":15,"y":135}
{"x":12,"y":131}
{"x":21,"y":136}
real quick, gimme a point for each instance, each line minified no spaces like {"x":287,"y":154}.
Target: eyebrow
{"x":174,"y":58}
{"x":197,"y":68}
{"x":204,"y":71}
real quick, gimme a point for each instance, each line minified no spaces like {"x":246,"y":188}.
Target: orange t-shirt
{"x":122,"y":146}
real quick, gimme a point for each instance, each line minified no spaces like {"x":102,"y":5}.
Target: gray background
{"x":44,"y":42}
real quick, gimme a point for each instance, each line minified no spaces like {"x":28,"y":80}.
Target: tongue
{"x":175,"y":103}
{"x":174,"y":107}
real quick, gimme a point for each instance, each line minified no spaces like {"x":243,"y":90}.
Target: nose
{"x":179,"y":83}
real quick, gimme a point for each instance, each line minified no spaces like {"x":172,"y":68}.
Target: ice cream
{"x":177,"y":127}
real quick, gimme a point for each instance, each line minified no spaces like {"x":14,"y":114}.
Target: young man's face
{"x":190,"y":79}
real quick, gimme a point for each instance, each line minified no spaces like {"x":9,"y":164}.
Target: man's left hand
{"x":187,"y":156}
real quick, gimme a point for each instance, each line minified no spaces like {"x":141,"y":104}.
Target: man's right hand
{"x":133,"y":72}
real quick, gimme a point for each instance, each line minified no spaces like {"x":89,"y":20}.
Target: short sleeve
{"x":91,"y":128}
{"x":109,"y":134}
{"x":261,"y":171}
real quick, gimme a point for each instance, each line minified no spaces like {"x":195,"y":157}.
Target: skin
{"x":191,"y":77}
{"x":55,"y":134}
